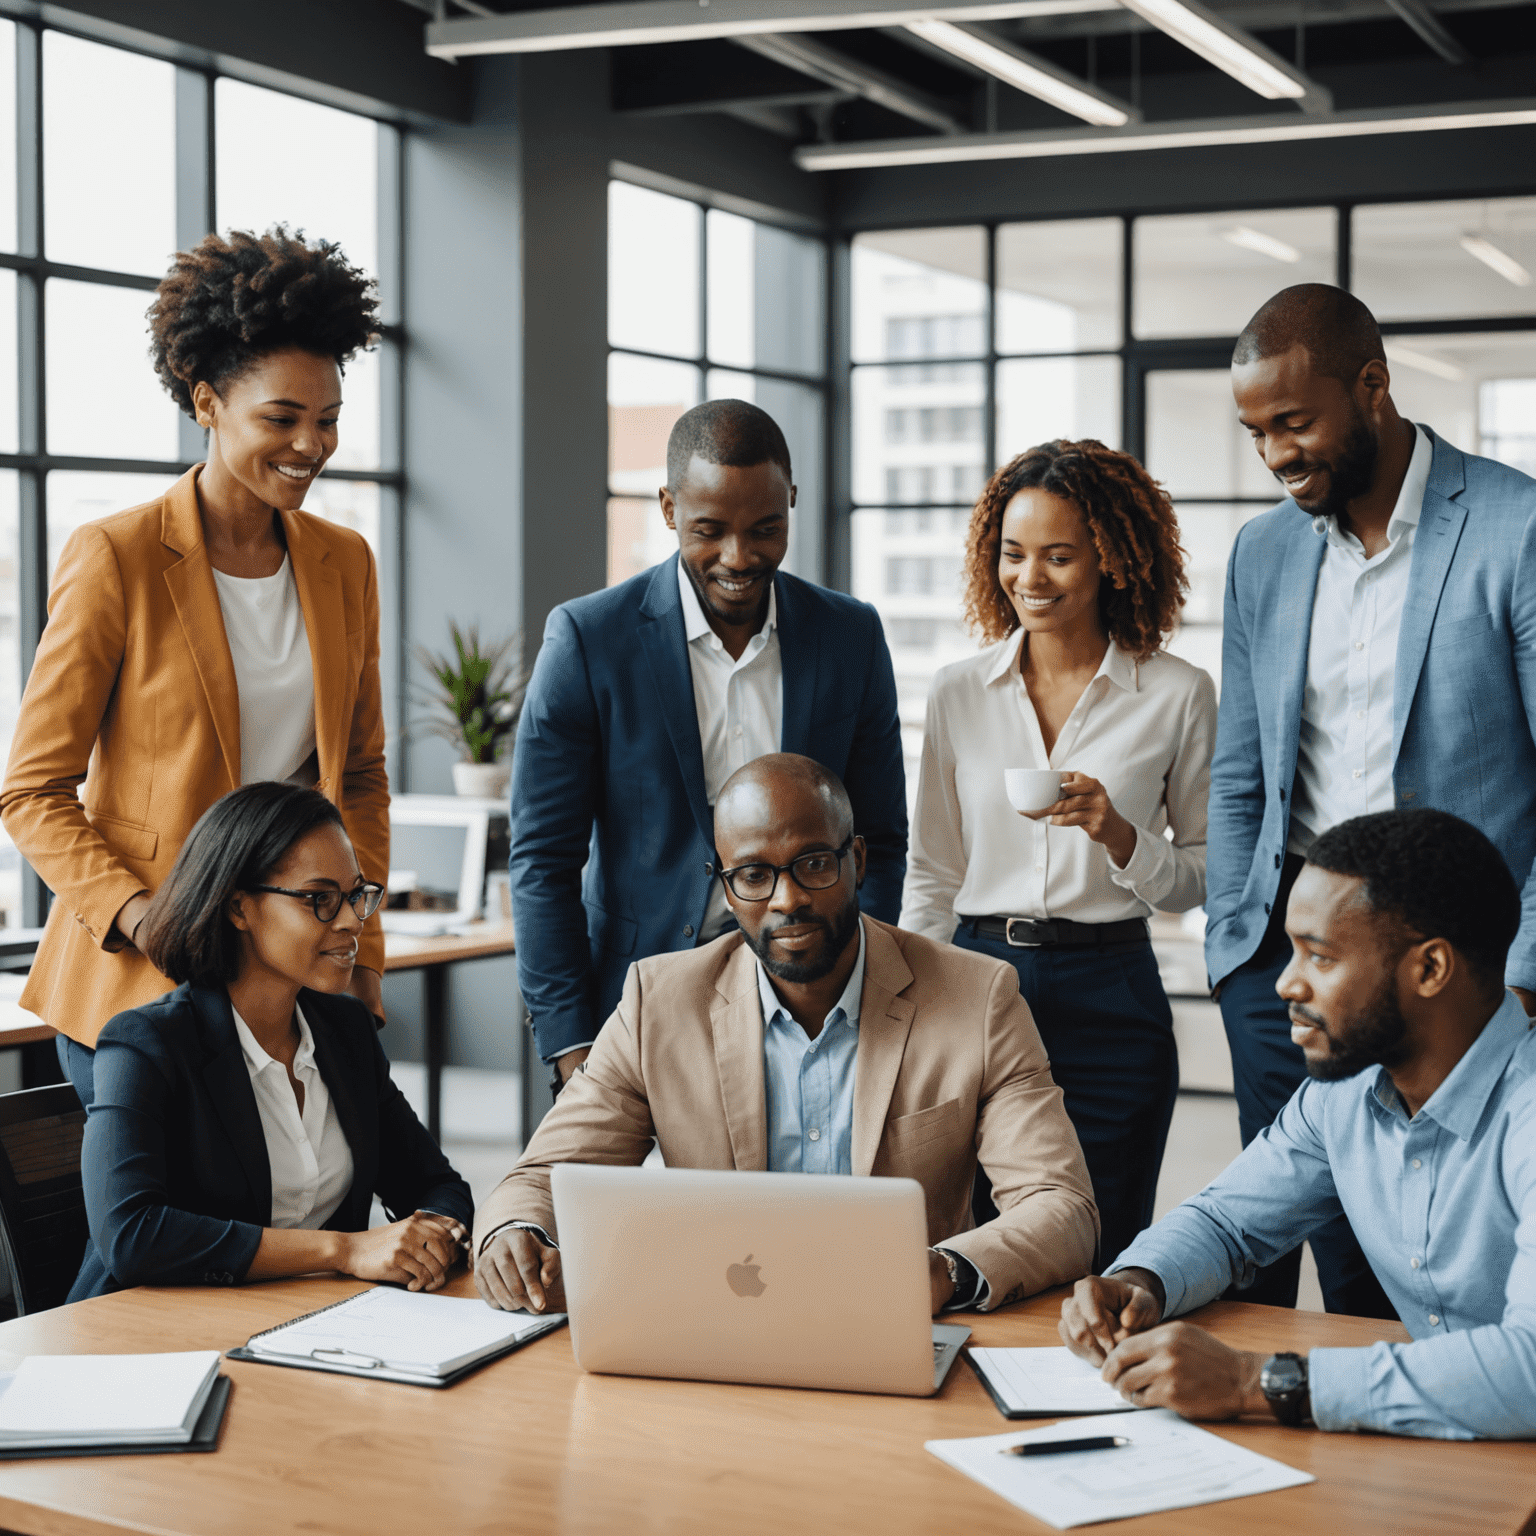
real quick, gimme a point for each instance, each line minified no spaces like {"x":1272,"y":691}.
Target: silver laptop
{"x":782,"y":1279}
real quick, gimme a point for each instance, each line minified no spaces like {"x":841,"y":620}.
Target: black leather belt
{"x":1036,"y":932}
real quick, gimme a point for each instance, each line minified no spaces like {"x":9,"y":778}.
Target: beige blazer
{"x":130,"y":729}
{"x":950,"y":1066}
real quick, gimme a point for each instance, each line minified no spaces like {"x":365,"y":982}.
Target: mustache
{"x":1302,"y":1015}
{"x":804,"y":918}
{"x":1299,"y":466}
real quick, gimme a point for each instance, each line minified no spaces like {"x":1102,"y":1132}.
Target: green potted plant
{"x":476,"y":697}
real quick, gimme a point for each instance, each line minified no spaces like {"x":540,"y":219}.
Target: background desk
{"x":432,"y":957}
{"x":532,"y":1444}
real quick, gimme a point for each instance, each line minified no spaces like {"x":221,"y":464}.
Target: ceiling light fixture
{"x":1501,"y":261}
{"x":1199,"y":133}
{"x":1423,"y":362}
{"x":1023,"y":71}
{"x":1231,"y":49}
{"x":1265,"y":245}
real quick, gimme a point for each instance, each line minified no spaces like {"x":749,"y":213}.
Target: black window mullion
{"x":989,"y":405}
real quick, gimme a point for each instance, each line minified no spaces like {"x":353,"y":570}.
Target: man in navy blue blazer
{"x":1379,"y":653}
{"x":646,"y":697}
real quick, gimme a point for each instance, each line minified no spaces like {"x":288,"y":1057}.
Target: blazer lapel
{"x":234,"y":1100}
{"x":736,"y":1019}
{"x":1297,"y":589}
{"x":885,"y":1021}
{"x":1434,"y":546}
{"x":666,"y":652}
{"x":196,"y":600}
{"x":798,"y":655}
{"x":325,"y":626}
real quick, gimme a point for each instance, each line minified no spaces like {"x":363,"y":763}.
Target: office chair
{"x":43,"y":1229}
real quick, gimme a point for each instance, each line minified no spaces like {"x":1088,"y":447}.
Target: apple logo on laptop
{"x":742,"y":1278}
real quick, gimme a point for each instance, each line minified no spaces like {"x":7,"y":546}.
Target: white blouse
{"x":310,"y":1159}
{"x":1146,"y":732}
{"x":273,"y":671}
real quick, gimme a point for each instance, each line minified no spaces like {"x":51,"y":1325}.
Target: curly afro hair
{"x":1130,"y":520}
{"x":228,"y":302}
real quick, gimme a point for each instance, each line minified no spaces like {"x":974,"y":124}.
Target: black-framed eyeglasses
{"x":814,"y":871}
{"x":363,"y":899}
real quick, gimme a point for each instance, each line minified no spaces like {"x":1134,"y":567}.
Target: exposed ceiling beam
{"x":1231,"y":48}
{"x":1431,"y":30}
{"x":1199,"y":133}
{"x":1025,"y":71}
{"x":620,"y":23}
{"x":837,"y":69}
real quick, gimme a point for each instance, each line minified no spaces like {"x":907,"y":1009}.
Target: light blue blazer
{"x":1464,"y":702}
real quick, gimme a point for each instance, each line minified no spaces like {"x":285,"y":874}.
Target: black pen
{"x":1061,"y":1447}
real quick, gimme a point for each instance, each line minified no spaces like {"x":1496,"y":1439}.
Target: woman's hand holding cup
{"x":1079,"y":801}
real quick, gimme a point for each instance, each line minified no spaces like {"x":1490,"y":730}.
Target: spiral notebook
{"x":394,"y":1335}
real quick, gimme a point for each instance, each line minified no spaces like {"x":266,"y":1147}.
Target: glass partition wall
{"x":109,"y":161}
{"x":970,"y":344}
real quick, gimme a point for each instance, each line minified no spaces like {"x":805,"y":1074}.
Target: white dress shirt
{"x":1144,"y":732}
{"x":1344,"y":763}
{"x":273,"y":672}
{"x":740,"y":705}
{"x":309,"y":1156}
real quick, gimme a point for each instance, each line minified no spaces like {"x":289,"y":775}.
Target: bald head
{"x":1338,"y":332}
{"x":781,"y":786}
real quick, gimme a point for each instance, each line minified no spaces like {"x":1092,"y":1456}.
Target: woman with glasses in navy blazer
{"x":242,"y":1123}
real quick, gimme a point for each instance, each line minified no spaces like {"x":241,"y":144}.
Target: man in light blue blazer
{"x":1379,"y":653}
{"x":645,"y":699}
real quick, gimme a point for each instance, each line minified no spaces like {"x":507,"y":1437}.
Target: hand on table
{"x":517,"y":1273}
{"x":1085,"y":803}
{"x":1182,"y":1367}
{"x":417,"y":1252}
{"x":1105,"y":1310}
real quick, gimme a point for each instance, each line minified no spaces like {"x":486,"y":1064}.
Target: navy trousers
{"x":1267,"y":1068}
{"x":79,"y":1066}
{"x":1108,"y":1031}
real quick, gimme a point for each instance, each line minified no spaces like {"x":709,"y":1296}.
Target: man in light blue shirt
{"x":1418,"y":1123}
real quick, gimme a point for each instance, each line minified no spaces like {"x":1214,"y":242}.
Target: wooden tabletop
{"x":18,"y":1027}
{"x":533,"y":1444}
{"x":406,"y":952}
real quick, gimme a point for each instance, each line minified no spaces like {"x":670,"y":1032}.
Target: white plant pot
{"x":481,"y":781}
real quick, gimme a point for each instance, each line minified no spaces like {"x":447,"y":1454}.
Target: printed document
{"x":1169,"y":1464}
{"x":59,"y":1401}
{"x":1041,"y":1383}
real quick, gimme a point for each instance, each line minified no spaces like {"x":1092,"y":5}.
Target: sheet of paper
{"x":1047,"y":1381}
{"x":1169,"y":1464}
{"x":79,"y":1399}
{"x":406,"y":1330}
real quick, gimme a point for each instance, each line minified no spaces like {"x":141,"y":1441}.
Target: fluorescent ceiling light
{"x":1257,"y":240}
{"x":1013,"y":66}
{"x":1501,"y":261}
{"x":1423,"y":362}
{"x":1199,"y":133}
{"x":1229,"y":48}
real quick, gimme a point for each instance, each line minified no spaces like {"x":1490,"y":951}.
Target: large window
{"x":702,"y":305}
{"x":122,"y":141}
{"x":971,"y":344}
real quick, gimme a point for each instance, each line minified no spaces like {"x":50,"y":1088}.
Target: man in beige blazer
{"x":929,"y":1059}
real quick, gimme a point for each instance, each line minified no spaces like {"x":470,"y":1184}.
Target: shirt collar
{"x":848,"y":1004}
{"x":1410,"y":498}
{"x":1118,"y":665}
{"x":257,"y":1060}
{"x":1459,"y":1101}
{"x":696,"y":626}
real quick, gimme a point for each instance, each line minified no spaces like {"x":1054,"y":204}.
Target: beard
{"x":1377,"y":1036}
{"x":819,"y":962}
{"x":1349,"y":475}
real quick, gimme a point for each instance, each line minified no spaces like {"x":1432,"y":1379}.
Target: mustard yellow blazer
{"x":133,"y":696}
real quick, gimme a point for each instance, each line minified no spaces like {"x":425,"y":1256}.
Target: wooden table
{"x":432,"y":957}
{"x":532,"y":1444}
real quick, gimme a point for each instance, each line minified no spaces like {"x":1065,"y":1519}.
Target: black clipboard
{"x":1033,"y":1413}
{"x":205,"y":1436}
{"x":376,"y":1373}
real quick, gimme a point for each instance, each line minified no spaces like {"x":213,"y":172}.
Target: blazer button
{"x":1277,"y":861}
{"x":1282,"y":797}
{"x":709,"y":869}
{"x":1266,"y":909}
{"x":687,"y":930}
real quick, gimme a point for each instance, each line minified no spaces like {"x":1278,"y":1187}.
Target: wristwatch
{"x":1283,"y":1382}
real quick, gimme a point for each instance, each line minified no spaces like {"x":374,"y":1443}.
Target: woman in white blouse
{"x":1075,"y":575}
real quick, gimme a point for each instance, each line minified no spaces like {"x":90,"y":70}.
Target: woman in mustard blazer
{"x":213,"y":637}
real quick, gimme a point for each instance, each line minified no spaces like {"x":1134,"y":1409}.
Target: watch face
{"x":1282,"y":1373}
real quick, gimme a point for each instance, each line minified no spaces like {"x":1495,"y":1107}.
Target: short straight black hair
{"x":735,"y":433}
{"x":237,"y":843}
{"x":1435,"y":875}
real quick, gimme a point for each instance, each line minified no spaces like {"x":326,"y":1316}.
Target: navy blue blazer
{"x":1463,"y":702}
{"x":609,"y":774}
{"x":177,"y":1183}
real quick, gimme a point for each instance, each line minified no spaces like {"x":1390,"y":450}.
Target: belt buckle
{"x":1032,"y":924}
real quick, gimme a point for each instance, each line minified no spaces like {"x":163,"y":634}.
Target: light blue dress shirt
{"x":1444,"y":1206}
{"x":808,"y":1084}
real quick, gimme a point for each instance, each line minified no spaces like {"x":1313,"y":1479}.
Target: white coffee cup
{"x":1032,"y":789}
